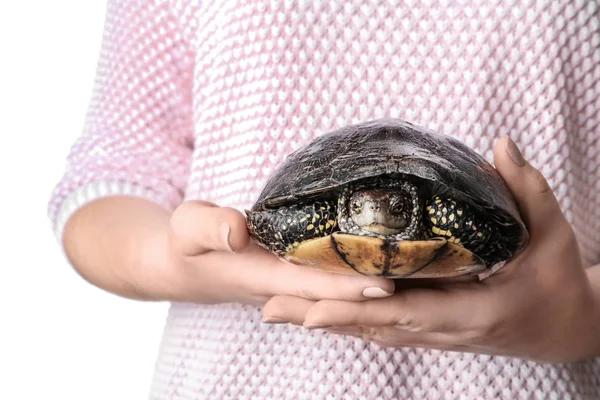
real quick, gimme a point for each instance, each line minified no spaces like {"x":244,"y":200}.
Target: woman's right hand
{"x":213,"y":260}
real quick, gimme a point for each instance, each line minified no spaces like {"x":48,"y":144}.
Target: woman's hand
{"x":215,"y":261}
{"x":200,"y":253}
{"x":539,"y":306}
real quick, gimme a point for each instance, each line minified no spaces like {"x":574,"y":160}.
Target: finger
{"x":198,"y":227}
{"x":314,"y":284}
{"x":286,"y":309}
{"x":259,"y":273}
{"x":396,"y":338}
{"x":413,"y":310}
{"x":393,"y":337}
{"x":535,"y":199}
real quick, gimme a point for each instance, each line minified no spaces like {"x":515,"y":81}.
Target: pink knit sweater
{"x":203,"y":100}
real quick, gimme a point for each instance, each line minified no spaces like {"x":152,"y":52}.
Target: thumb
{"x":537,"y":204}
{"x":199,"y":226}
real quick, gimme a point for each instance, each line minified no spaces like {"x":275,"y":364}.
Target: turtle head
{"x":385,"y":212}
{"x":380,"y":208}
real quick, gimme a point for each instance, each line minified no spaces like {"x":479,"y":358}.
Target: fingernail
{"x":273,"y":320}
{"x":375,"y":293}
{"x":225,"y":230}
{"x":514,"y":153}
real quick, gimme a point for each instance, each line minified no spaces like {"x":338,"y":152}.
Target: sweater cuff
{"x":97,"y":190}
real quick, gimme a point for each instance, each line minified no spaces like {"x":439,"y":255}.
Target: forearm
{"x":120,"y":245}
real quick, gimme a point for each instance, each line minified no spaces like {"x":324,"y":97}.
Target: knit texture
{"x":203,"y":101}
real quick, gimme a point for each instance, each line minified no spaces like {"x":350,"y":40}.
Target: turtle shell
{"x":387,"y":147}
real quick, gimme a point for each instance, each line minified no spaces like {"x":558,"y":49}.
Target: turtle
{"x":388,"y":198}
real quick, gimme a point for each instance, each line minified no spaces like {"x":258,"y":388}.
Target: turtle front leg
{"x":459,"y":224}
{"x":284,"y":228}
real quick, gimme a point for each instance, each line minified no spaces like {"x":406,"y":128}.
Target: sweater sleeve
{"x":137,"y":135}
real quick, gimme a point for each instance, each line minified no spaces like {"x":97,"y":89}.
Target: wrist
{"x":594,"y":278}
{"x":152,"y":265}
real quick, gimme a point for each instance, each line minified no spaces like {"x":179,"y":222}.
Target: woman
{"x":195,"y":106}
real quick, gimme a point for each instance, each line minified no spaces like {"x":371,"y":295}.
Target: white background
{"x":60,"y":338}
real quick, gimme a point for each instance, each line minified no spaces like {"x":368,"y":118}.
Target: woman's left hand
{"x":539,"y":306}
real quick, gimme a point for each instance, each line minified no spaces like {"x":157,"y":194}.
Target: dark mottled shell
{"x":388,"y":146}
